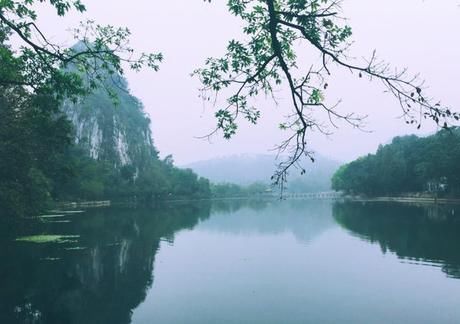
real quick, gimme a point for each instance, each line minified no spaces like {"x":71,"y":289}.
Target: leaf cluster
{"x":39,"y":64}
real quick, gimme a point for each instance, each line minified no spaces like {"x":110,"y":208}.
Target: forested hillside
{"x":409,"y":164}
{"x":97,"y":147}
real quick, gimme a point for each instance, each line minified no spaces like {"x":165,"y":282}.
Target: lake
{"x":288,"y":261}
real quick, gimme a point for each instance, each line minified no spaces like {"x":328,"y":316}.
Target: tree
{"x":33,"y":136}
{"x":41,"y":65}
{"x":408,"y":165}
{"x":268,"y":58}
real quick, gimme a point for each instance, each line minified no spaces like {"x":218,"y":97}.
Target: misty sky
{"x":420,"y":35}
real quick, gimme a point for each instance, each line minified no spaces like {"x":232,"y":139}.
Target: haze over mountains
{"x":246,"y":169}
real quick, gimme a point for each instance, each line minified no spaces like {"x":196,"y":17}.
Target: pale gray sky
{"x":420,"y":35}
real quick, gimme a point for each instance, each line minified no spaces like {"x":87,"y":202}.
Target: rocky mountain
{"x":114,"y":156}
{"x":117,"y":132}
{"x":249,"y":168}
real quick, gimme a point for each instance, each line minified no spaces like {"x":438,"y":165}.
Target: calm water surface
{"x":238,"y":262}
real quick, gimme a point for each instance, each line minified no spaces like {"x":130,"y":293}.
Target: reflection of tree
{"x":428,"y":234}
{"x":233,"y":205}
{"x":101,"y":283}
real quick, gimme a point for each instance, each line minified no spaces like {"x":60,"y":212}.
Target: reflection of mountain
{"x":102,"y":283}
{"x":304,"y":219}
{"x":429,"y":234}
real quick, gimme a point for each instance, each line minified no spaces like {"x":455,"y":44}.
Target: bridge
{"x":327,"y":195}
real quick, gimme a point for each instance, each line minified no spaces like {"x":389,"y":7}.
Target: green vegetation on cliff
{"x":98,"y":146}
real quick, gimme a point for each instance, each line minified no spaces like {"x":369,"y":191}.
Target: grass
{"x":48,"y":239}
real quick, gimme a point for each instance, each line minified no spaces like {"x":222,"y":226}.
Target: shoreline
{"x":407,"y":200}
{"x":420,"y":200}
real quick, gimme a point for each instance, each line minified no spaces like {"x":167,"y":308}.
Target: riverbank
{"x":401,"y":199}
{"x":410,"y":200}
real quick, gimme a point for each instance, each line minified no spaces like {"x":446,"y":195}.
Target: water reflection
{"x":425,"y":234}
{"x":241,"y":259}
{"x":99,"y":279}
{"x":304,"y":221}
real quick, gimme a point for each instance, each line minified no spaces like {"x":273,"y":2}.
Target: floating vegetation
{"x":77,"y":248}
{"x":56,"y":221}
{"x":51,"y":216}
{"x":49,"y":239}
{"x":67,"y":211}
{"x":113,"y":244}
{"x":50,"y":259}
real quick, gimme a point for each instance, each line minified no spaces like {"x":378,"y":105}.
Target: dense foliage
{"x":98,"y":180}
{"x":33,"y":139}
{"x":409,"y":164}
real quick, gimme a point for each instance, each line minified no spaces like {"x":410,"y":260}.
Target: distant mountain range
{"x":245,"y":169}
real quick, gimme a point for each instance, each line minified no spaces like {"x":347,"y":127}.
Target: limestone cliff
{"x":116,"y":131}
